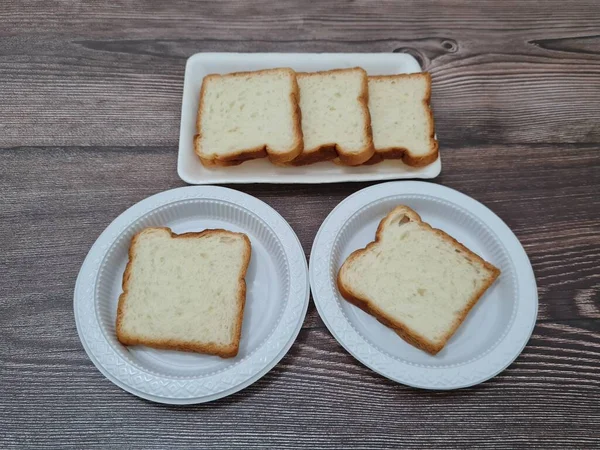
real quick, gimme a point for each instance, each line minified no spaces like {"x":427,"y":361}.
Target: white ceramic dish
{"x":276,"y":300}
{"x":495,"y":331}
{"x":192,"y":171}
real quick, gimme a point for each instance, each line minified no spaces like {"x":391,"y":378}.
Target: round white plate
{"x":495,"y":331}
{"x":276,"y":299}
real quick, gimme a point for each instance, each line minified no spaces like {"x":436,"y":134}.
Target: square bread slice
{"x":335,"y":117}
{"x":185,"y":292}
{"x":415,"y":279}
{"x":401,"y":118}
{"x":249,"y":115}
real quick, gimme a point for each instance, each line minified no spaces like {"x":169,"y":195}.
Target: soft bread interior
{"x":416,"y":277}
{"x":245,"y":112}
{"x":333,"y":106}
{"x":400,"y":114}
{"x":185,"y":291}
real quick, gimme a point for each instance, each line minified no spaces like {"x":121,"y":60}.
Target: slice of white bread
{"x":401,"y":118}
{"x":415,"y":279}
{"x":185,"y":292}
{"x":335,"y":117}
{"x":249,"y":115}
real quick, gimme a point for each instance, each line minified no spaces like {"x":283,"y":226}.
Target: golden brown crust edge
{"x":227,"y":351}
{"x":330,"y":151}
{"x":401,"y":152}
{"x":323,"y":153}
{"x":264,"y":151}
{"x":399,"y":328}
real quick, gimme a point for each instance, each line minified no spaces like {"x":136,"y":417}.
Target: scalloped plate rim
{"x":360,"y":347}
{"x":141,"y":208}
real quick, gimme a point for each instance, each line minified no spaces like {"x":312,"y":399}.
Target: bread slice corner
{"x":184,"y":291}
{"x":415,"y":279}
{"x":402,"y":119}
{"x":248,"y":115}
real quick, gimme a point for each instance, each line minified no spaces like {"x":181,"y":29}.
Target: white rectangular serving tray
{"x":191,"y":170}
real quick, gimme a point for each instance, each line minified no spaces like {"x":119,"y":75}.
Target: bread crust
{"x":404,"y":153}
{"x":332,"y":150}
{"x":325,"y":152}
{"x":224,"y":351}
{"x":263,"y":151}
{"x":404,"y":331}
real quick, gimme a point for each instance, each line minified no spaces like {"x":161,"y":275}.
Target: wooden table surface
{"x":90,"y":98}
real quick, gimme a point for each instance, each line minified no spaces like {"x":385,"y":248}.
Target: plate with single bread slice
{"x":191,"y":295}
{"x":306,"y":118}
{"x":423,"y":284}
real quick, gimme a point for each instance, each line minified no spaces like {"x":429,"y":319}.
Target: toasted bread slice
{"x":401,"y":119}
{"x":185,"y":292}
{"x":335,"y":117}
{"x":249,"y":115}
{"x":415,"y":279}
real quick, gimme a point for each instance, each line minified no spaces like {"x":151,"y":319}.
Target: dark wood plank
{"x":43,"y":363}
{"x":318,"y":396}
{"x":39,"y":268}
{"x":556,"y":218}
{"x":89,"y":119}
{"x":126,"y":64}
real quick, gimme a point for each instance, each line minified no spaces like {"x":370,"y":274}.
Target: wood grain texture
{"x":494,"y":68}
{"x":89,"y":118}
